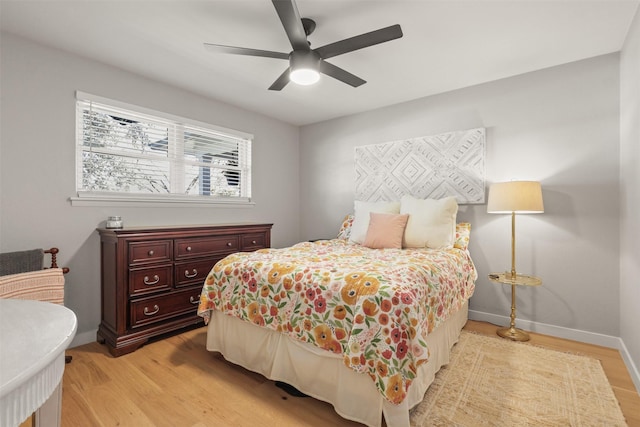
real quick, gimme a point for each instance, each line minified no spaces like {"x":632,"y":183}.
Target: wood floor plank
{"x":177,"y":382}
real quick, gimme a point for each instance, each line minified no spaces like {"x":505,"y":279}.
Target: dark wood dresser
{"x":152,"y":277}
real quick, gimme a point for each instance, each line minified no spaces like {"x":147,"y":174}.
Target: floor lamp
{"x":514,"y":197}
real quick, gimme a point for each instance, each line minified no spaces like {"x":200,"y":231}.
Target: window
{"x":129,"y":152}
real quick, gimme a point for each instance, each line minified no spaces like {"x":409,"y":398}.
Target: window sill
{"x":83,"y":200}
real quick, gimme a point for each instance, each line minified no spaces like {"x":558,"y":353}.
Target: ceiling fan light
{"x":303,"y":66}
{"x":304,"y":76}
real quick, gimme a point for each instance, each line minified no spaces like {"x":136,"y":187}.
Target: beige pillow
{"x":361,"y":211}
{"x":432,"y":223}
{"x":385,"y":231}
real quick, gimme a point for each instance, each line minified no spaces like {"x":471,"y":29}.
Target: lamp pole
{"x":513,"y":245}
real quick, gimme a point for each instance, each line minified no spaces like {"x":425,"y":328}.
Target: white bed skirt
{"x":353,"y":395}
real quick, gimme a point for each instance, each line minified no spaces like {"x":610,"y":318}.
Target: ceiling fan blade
{"x":292,"y":23}
{"x":340,"y":74}
{"x":218,"y":48}
{"x":358,"y":42}
{"x":281,"y":81}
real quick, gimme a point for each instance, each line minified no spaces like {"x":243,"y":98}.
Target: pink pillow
{"x":385,"y":230}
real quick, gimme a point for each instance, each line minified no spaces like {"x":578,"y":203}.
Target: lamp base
{"x":513,"y":334}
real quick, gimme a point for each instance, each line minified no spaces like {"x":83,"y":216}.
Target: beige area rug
{"x":495,"y":382}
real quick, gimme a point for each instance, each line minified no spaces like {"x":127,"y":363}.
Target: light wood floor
{"x":175,"y":382}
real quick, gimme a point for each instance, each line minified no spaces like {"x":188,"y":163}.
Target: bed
{"x":376,"y":323}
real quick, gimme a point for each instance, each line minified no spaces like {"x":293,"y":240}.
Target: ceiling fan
{"x":305,"y":63}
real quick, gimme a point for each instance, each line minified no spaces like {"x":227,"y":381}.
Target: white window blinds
{"x":132,"y":151}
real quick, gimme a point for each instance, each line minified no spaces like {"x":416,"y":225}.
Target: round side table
{"x":507,"y":278}
{"x":34,"y":336}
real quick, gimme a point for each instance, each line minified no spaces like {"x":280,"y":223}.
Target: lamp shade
{"x":515,"y":196}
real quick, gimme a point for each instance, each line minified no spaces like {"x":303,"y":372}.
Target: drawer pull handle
{"x":150,"y":253}
{"x":151,"y":313}
{"x":229,"y":244}
{"x":188,"y":248}
{"x":253,"y":242}
{"x":188,"y":276}
{"x":193,"y":300}
{"x":156,"y":279}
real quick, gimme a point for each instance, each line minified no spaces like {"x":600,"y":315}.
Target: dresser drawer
{"x":194,"y":271}
{"x":188,"y":248}
{"x":156,"y":309}
{"x":150,"y":279}
{"x":251,"y":242}
{"x":153,"y":251}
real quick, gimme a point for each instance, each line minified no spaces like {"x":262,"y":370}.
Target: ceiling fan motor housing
{"x":304,"y":59}
{"x":304,"y":66}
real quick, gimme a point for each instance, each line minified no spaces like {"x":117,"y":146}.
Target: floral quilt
{"x":374,"y":307}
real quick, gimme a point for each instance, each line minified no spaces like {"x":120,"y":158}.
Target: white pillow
{"x":361,"y":211}
{"x":432,"y":223}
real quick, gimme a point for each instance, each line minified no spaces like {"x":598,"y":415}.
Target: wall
{"x":559,"y":126}
{"x":630,"y":195}
{"x":38,"y":155}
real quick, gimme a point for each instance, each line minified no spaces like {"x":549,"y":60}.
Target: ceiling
{"x":447,"y":44}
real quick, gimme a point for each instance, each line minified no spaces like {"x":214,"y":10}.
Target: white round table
{"x":33,"y":338}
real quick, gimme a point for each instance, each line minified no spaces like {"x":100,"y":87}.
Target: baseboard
{"x":84,"y":338}
{"x":566,"y":333}
{"x":631,"y":366}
